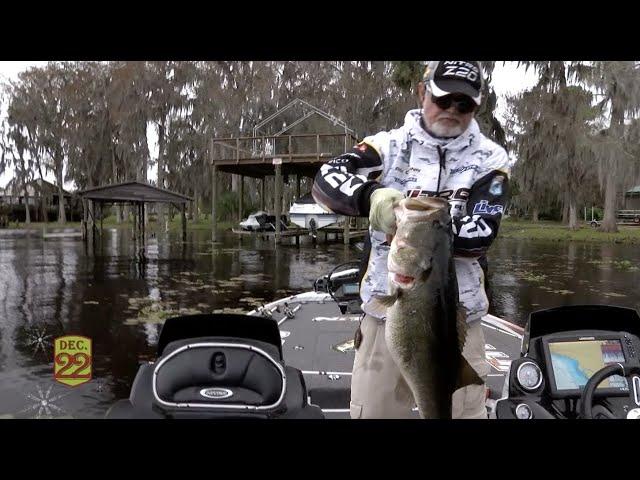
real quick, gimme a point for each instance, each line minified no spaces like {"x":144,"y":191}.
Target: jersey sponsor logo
{"x":343,"y":159}
{"x":496,"y":187}
{"x":404,"y":181}
{"x":459,"y":194}
{"x":464,"y":168}
{"x":473,"y":227}
{"x":484,"y":207}
{"x":413,"y":170}
{"x":338,"y":178}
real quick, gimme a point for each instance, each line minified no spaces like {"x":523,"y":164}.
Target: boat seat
{"x":219,"y":371}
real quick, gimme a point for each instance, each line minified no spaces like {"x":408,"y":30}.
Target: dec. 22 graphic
{"x":72,"y":360}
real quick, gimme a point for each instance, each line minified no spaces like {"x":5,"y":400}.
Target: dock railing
{"x":290,"y":148}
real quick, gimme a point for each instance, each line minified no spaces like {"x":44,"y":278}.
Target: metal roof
{"x":133,"y":192}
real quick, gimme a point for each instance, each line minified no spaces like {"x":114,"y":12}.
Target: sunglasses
{"x":463,"y":103}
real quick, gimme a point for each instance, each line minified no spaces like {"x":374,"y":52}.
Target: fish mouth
{"x":400,"y":279}
{"x":404,"y":280}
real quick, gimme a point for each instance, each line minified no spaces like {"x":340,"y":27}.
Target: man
{"x":439,"y":151}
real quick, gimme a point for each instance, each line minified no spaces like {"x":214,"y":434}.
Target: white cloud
{"x":508,"y":78}
{"x":10,"y":70}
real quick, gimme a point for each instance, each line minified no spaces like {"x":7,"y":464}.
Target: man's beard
{"x":439,"y":129}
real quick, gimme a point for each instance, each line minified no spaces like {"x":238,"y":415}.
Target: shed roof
{"x":133,"y":192}
{"x":634,"y":191}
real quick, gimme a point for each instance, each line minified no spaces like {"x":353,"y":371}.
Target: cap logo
{"x":466,"y":70}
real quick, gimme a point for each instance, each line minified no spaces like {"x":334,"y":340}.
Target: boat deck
{"x":318,"y":339}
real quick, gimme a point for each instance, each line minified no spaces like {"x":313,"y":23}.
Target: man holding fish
{"x":434,"y":191}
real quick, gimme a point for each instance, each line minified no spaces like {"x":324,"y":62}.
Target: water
{"x":63,"y":286}
{"x":531,"y":275}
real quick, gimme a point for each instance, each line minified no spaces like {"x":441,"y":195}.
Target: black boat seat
{"x":220,"y":371}
{"x":238,"y":373}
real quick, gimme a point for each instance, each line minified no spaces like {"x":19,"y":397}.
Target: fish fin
{"x":467,"y":375}
{"x":426,"y":270}
{"x":380,"y":303}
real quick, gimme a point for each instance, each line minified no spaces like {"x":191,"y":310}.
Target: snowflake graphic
{"x":38,"y":339}
{"x":44,"y":403}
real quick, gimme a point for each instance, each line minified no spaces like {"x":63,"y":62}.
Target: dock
{"x":303,"y":232}
{"x":62,"y":235}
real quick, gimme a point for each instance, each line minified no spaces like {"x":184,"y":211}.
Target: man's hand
{"x":381,"y":214}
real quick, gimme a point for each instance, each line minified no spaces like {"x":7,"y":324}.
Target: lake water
{"x":64,"y":286}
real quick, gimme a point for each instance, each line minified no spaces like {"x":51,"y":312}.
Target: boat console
{"x":576,"y":362}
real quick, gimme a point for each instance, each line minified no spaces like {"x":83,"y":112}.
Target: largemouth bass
{"x":425,"y":328}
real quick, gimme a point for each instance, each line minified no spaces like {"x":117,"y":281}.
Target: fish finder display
{"x":574,"y":363}
{"x":350,"y":288}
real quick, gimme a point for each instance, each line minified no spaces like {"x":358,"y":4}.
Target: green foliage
{"x":227,"y":206}
{"x":407,"y":74}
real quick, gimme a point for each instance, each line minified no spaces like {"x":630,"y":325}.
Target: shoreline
{"x":509,"y":229}
{"x":557,"y":232}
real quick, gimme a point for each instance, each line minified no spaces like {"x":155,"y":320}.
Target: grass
{"x":556,"y":231}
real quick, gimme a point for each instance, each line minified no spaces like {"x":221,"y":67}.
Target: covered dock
{"x":280,"y":156}
{"x":136,"y":194}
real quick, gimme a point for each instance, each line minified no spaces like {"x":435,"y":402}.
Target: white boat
{"x":262,"y":222}
{"x":306,"y":213}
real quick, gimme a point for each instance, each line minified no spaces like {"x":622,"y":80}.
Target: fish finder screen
{"x":575,"y":362}
{"x":351,"y":288}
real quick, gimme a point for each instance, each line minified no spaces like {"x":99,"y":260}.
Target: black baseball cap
{"x":444,"y":78}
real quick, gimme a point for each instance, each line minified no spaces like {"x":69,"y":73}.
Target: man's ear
{"x":421,"y":92}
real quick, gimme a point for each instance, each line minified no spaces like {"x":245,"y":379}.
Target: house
{"x":42,"y":197}
{"x":632,"y":199}
{"x":13,"y":194}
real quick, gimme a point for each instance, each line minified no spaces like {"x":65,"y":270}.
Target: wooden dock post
{"x":345,"y":235}
{"x":184,"y":222}
{"x":277,"y":200}
{"x":214,"y":223}
{"x":297,"y":198}
{"x":240,"y":197}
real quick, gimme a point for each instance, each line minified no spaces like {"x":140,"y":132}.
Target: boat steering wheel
{"x":631,"y":371}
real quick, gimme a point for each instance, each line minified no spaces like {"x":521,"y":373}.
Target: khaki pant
{"x":378,"y":390}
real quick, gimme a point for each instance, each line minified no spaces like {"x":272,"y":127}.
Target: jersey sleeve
{"x":344,"y":184}
{"x":488,"y":196}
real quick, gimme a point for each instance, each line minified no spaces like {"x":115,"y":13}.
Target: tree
{"x":619,"y":85}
